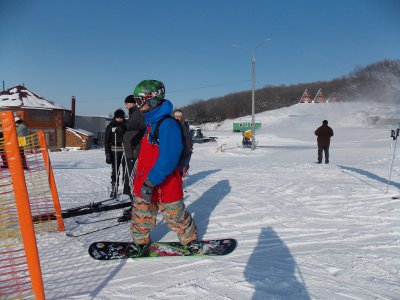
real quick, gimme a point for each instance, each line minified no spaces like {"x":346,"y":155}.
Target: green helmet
{"x":151,"y":92}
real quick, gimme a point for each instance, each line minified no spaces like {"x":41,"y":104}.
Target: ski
{"x":96,"y":220}
{"x":70,"y":234}
{"x":89,"y":205}
{"x":69,"y":213}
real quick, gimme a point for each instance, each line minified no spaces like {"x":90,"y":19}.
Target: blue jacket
{"x":170,"y":142}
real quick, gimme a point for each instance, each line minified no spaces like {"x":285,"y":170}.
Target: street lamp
{"x":253,"y":79}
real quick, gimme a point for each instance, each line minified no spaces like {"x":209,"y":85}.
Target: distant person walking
{"x":324,"y":134}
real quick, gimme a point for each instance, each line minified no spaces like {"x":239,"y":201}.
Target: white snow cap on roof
{"x":20,"y":96}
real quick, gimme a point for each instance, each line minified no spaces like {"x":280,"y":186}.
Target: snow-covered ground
{"x":305,"y":231}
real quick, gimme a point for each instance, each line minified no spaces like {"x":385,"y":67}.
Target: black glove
{"x":119,"y":131}
{"x":147,"y":191}
{"x":108,"y":159}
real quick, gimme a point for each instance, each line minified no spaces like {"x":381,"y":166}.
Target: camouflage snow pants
{"x":175,"y":215}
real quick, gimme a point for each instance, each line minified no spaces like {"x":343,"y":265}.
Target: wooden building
{"x":319,"y":97}
{"x":78,"y":138}
{"x":38,"y":113}
{"x":306,"y":98}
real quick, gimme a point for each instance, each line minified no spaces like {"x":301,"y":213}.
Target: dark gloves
{"x":108,"y":159}
{"x":147,"y":191}
{"x":119,"y":131}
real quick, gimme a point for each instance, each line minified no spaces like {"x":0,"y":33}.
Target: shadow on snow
{"x":273,"y":271}
{"x":198,"y":178}
{"x":370,"y":175}
{"x":201,"y":210}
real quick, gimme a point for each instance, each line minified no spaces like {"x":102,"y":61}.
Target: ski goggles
{"x":152,"y":102}
{"x":140,"y":101}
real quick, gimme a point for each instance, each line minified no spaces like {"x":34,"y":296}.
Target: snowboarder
{"x":183,"y":165}
{"x":113,"y":147}
{"x":157,"y":182}
{"x":324,"y":134}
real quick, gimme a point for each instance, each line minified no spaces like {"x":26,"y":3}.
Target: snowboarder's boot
{"x":134,"y":250}
{"x":194,"y":247}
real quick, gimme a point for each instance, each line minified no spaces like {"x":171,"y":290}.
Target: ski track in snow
{"x":304,"y":231}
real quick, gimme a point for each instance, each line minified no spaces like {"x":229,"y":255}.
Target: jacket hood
{"x":160,"y":111}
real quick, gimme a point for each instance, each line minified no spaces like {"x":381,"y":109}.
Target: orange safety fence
{"x":39,"y":178}
{"x":29,"y":205}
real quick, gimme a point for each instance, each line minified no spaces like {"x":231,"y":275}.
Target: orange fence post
{"x":22,"y":202}
{"x":52,"y":182}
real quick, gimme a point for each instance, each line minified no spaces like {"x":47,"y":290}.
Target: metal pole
{"x":253,"y":89}
{"x":395,"y":134}
{"x":253,"y":78}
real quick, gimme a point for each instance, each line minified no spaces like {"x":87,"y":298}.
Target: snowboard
{"x":105,"y":250}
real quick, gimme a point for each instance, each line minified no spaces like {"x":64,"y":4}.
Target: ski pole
{"x":70,"y":234}
{"x":184,"y":181}
{"x":127,"y":174}
{"x":394,"y":136}
{"x":114,"y":187}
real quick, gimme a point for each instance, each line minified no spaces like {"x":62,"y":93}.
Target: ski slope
{"x":305,"y":231}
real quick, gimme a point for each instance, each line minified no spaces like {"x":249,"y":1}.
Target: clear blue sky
{"x":98,"y":50}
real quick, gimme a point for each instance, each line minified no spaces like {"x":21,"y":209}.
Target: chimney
{"x":73,"y":112}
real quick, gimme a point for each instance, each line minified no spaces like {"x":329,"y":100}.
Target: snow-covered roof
{"x":20,"y":96}
{"x":81,"y":131}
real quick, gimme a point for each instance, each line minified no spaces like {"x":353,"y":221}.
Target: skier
{"x":324,"y":134}
{"x":113,"y":147}
{"x":183,"y":165}
{"x":135,"y":129}
{"x":157,"y":182}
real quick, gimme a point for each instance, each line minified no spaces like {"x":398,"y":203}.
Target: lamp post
{"x":253,"y":79}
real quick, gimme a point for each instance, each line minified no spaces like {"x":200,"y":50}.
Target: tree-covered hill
{"x":378,"y":82}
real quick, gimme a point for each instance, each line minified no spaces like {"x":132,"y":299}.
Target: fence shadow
{"x":273,"y":271}
{"x":370,"y":175}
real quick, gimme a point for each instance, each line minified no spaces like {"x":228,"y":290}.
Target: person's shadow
{"x":193,"y":180}
{"x":273,"y":271}
{"x":201,"y":210}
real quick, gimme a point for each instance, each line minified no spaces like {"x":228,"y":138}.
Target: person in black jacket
{"x":135,"y":129}
{"x":113,"y":147}
{"x":183,"y":165}
{"x":324,"y":134}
